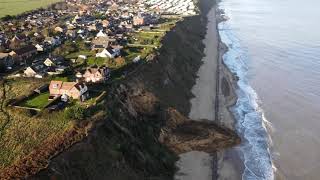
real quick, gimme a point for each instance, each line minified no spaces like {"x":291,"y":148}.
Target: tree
{"x":120,"y":61}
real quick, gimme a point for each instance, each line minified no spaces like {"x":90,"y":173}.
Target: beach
{"x":198,"y":165}
{"x":214,"y":93}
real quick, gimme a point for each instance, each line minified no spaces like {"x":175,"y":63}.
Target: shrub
{"x":75,"y":112}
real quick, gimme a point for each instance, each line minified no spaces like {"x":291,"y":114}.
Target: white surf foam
{"x":251,"y":122}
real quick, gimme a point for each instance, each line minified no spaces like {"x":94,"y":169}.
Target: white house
{"x":39,"y":48}
{"x":101,"y":34}
{"x":48,"y":62}
{"x":109,"y":52}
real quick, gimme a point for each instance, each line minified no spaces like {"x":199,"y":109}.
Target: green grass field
{"x":14,"y":7}
{"x":39,"y":101}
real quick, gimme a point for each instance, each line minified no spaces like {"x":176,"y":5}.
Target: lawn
{"x":148,"y":38}
{"x":39,"y":101}
{"x":76,"y":54}
{"x":132,"y":52}
{"x":63,"y":79}
{"x":97,"y":61}
{"x":14,"y":7}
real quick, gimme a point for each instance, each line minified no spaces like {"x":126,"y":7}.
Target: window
{"x":55,"y":86}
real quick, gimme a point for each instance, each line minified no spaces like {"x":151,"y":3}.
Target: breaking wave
{"x":250,"y":121}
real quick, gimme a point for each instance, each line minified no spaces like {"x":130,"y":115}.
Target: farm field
{"x":14,"y":7}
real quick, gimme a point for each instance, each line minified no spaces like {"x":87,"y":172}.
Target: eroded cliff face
{"x":146,"y":127}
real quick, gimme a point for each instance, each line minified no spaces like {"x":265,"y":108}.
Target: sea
{"x":274,"y":49}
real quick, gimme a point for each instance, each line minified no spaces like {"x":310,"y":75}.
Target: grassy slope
{"x":23,"y":132}
{"x":14,"y":7}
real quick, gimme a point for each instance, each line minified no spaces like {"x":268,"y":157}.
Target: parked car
{"x":61,"y":105}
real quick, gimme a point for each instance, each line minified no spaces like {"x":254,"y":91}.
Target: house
{"x":71,"y":33}
{"x":105,"y":23}
{"x":39,"y":48}
{"x":38,"y":70}
{"x":68,"y":90}
{"x":100,"y":43}
{"x":20,"y":38}
{"x":70,"y":27}
{"x":58,"y":29}
{"x":55,"y":65}
{"x":109,"y":52}
{"x":49,"y":62}
{"x":101,"y":34}
{"x":24,"y":52}
{"x":6,"y":60}
{"x":17,"y":41}
{"x":53,"y":41}
{"x":138,"y":20}
{"x":55,"y":70}
{"x":96,"y":74}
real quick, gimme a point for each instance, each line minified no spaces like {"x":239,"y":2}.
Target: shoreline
{"x":229,"y":162}
{"x":194,"y":165}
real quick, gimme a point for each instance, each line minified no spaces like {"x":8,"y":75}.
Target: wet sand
{"x":200,"y":165}
{"x":229,"y":163}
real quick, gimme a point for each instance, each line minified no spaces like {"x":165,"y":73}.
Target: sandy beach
{"x":198,"y":165}
{"x":213,"y":73}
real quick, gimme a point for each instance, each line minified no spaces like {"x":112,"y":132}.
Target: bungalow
{"x":96,"y":74}
{"x":68,"y":90}
{"x":24,"y":52}
{"x":109,"y":52}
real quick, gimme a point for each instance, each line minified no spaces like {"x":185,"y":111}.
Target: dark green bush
{"x":75,"y":112}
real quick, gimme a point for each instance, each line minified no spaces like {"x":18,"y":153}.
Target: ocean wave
{"x":251,"y":123}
